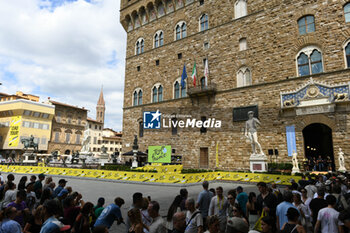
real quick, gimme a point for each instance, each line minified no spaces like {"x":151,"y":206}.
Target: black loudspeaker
{"x":270,"y":151}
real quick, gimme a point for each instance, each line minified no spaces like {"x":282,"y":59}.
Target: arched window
{"x":309,"y":61}
{"x":176,"y":90}
{"x":347,"y":12}
{"x":178,"y":33}
{"x":240,"y":8}
{"x":183,"y":90}
{"x":306,"y":24}
{"x":154,"y":95}
{"x":157,"y":93}
{"x":137,"y":97}
{"x":347,"y":55}
{"x":160,"y":93}
{"x":243,"y":44}
{"x":161,"y":39}
{"x":183,"y":30}
{"x":140,"y":97}
{"x":180,"y":30}
{"x":158,"y":39}
{"x":179,"y":91}
{"x":204,"y":22}
{"x":244,"y":77}
{"x":140,"y":44}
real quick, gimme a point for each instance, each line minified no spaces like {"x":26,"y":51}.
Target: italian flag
{"x":194,"y":74}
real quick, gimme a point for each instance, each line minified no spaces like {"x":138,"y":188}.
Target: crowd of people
{"x":309,"y":205}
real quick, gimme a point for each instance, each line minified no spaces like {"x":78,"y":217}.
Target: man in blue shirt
{"x":52,"y":224}
{"x":61,"y":184}
{"x":282,"y":208}
{"x":242,"y":199}
{"x":203,"y":202}
{"x":110,"y":214}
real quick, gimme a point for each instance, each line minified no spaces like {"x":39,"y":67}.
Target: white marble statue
{"x":341,"y":160}
{"x":251,"y":132}
{"x":295,"y":161}
{"x":86,"y":140}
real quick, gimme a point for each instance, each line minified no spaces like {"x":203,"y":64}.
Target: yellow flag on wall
{"x":14,"y":131}
{"x":217,"y":154}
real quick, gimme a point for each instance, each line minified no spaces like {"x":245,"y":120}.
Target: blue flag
{"x":183,"y":77}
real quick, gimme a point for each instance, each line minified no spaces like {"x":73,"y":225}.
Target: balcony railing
{"x":198,"y":91}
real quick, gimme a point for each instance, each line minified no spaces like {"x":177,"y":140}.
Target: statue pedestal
{"x":29,"y":157}
{"x":258,"y":163}
{"x":342,"y":169}
{"x":134,"y":164}
{"x":104,"y":158}
{"x":295,"y":170}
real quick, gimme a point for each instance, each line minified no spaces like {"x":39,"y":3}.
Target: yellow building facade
{"x":19,"y":119}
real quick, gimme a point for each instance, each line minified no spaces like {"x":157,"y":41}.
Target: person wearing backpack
{"x":194,"y":220}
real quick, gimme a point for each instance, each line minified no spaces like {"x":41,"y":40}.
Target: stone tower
{"x":100,"y":108}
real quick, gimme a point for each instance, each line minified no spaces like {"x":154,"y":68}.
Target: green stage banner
{"x":159,"y":154}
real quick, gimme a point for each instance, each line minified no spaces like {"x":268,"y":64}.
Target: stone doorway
{"x":318,"y":142}
{"x":204,"y":158}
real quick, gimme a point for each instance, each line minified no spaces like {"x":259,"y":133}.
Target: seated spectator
{"x":20,"y":206}
{"x":35,"y":221}
{"x":110,"y":214}
{"x":7,"y":221}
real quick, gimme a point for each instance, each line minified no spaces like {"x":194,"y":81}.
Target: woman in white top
{"x":10,"y":195}
{"x":303,"y":209}
{"x":174,"y":208}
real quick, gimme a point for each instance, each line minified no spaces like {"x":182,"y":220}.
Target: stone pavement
{"x":92,"y":189}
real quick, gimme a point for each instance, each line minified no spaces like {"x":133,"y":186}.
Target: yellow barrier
{"x":165,"y":174}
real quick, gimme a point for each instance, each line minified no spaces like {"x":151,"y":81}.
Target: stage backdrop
{"x":159,"y":154}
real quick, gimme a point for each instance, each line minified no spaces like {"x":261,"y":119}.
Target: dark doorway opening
{"x":67,"y":152}
{"x":318,"y":142}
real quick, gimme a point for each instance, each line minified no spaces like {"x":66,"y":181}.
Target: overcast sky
{"x":66,"y":50}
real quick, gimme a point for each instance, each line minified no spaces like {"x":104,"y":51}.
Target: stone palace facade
{"x":288,"y":61}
